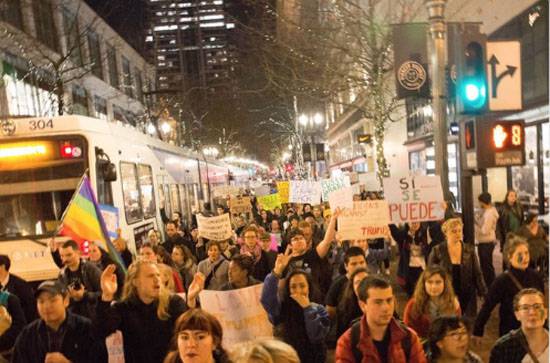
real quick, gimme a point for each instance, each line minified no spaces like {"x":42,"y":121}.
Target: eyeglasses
{"x":457,"y":335}
{"x":527,"y":307}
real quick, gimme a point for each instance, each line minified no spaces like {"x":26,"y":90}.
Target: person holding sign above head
{"x":298,"y":321}
{"x":215,"y":267}
{"x":197,"y":338}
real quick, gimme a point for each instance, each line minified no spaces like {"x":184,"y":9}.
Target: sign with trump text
{"x":367,"y":219}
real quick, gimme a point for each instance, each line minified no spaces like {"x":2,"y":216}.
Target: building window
{"x":118,"y":114}
{"x":113,"y":67}
{"x":139,"y":85}
{"x":95,"y":55}
{"x":43,"y":21}
{"x":72,"y":36}
{"x":100,"y":108}
{"x":10,"y":11}
{"x":127,"y":76}
{"x":80,"y":101}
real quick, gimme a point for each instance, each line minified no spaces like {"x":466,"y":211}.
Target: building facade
{"x":56,"y":52}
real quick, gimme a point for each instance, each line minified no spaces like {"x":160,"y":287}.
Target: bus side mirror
{"x":109,"y":172}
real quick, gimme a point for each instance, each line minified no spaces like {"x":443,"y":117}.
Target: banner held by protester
{"x":270,"y":202}
{"x":283,"y":190}
{"x":305,"y":191}
{"x":367,"y":219}
{"x":216,"y":228}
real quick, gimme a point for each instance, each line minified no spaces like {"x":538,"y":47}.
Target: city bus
{"x":139,"y":179}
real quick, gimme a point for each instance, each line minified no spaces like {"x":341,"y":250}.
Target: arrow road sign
{"x":504,"y":73}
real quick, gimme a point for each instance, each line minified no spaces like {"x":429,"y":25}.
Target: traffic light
{"x":289,"y":168}
{"x":471,"y":82}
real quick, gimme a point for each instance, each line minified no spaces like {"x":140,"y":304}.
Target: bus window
{"x":174,"y":198}
{"x":145,"y":175}
{"x":130,"y":191}
{"x":167,"y":201}
{"x":184,"y":200}
{"x":162,"y":197}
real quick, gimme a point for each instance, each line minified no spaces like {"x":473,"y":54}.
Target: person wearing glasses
{"x":448,"y":341}
{"x":529,"y":343}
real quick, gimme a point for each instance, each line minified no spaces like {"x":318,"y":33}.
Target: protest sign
{"x":305,"y":191}
{"x":262,"y":190}
{"x":225,"y":190}
{"x":240,"y":313}
{"x":282,"y":189}
{"x":341,"y":198}
{"x":115,"y":347}
{"x":110,"y":217}
{"x":330,"y":185}
{"x":270,"y":202}
{"x":367,"y":219}
{"x":238,"y":205}
{"x":216,"y":228}
{"x":414,"y":198}
{"x":370,"y":181}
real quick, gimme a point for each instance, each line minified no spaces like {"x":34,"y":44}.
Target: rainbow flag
{"x":82,"y":221}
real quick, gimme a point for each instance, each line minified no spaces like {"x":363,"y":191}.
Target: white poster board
{"x":115,"y":347}
{"x":342,"y":198}
{"x":367,"y":219}
{"x":414,"y":198}
{"x":216,"y":228}
{"x":331,"y":185}
{"x":370,"y":181}
{"x":240,"y":313}
{"x":305,"y":191}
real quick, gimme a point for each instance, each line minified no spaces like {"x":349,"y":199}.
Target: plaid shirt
{"x":509,"y":348}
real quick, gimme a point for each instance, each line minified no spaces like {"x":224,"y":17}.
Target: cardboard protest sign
{"x":216,"y":228}
{"x":367,"y":219}
{"x":341,"y":198}
{"x":238,"y":205}
{"x":283,"y":190}
{"x":115,"y":347}
{"x":305,"y":191}
{"x":240,"y":313}
{"x":270,"y":202}
{"x":330,"y":185}
{"x":225,"y":190}
{"x":370,"y":181}
{"x":262,"y":190}
{"x":414,"y":198}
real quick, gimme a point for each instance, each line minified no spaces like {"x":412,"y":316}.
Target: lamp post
{"x":311,"y":124}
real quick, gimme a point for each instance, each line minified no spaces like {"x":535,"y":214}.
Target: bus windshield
{"x":30,"y":215}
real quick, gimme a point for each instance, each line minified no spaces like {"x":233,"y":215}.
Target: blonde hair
{"x":130,"y":290}
{"x":451,"y":223}
{"x":167,"y":277}
{"x":264,"y":350}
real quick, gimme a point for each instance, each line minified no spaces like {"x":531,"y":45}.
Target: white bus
{"x":43,"y":159}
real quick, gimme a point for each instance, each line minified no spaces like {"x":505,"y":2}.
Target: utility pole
{"x":437,"y":51}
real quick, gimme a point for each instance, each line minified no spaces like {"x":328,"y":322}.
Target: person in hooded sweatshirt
{"x":486,"y":238}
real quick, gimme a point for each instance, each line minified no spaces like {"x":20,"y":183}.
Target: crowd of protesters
{"x":321,"y":293}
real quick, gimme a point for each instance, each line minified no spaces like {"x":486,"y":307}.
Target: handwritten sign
{"x":262,"y":190}
{"x":367,"y":219}
{"x":283,"y":190}
{"x":225,"y":190}
{"x":238,"y":205}
{"x":110,"y":216}
{"x":240,"y":313}
{"x":342,"y":198}
{"x":414,"y":198}
{"x":330,"y":185}
{"x":270,"y":202}
{"x":115,"y":347}
{"x":305,"y":191}
{"x":216,"y":228}
{"x":370,"y":181}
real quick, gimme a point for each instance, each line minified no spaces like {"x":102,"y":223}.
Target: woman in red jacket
{"x":433,"y":296}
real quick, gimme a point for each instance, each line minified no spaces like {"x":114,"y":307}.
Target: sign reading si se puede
{"x":240,"y":313}
{"x":239,"y":205}
{"x":270,"y":202}
{"x":305,"y":191}
{"x":331,"y":185}
{"x":414,"y":198}
{"x":367,"y":219}
{"x":283,"y":190}
{"x":216,"y":228}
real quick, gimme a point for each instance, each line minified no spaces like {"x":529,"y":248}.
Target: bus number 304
{"x":40,"y":124}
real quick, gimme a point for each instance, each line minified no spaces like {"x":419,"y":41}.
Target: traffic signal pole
{"x":437,"y":51}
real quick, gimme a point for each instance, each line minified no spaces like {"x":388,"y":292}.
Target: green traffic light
{"x":474,"y":94}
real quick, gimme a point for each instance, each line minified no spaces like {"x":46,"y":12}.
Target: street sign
{"x":504,"y":75}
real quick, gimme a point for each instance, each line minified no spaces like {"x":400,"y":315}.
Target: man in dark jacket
{"x":59,"y":335}
{"x":12,"y":321}
{"x":81,"y":279}
{"x":174,"y":238}
{"x":145,"y":317}
{"x":18,"y":287}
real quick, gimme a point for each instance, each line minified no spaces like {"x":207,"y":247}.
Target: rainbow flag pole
{"x":82,"y":221}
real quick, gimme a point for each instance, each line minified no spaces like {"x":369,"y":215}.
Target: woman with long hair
{"x":348,"y":308}
{"x":163,"y":257}
{"x":184,"y":264}
{"x":538,"y":242}
{"x":518,"y":276}
{"x":511,"y":216}
{"x":433,"y":296}
{"x":197,"y":338}
{"x":298,"y":321}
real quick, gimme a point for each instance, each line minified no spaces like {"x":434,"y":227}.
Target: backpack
{"x":356,"y":333}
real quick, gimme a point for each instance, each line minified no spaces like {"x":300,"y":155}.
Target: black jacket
{"x":91,"y":276}
{"x":78,"y":342}
{"x":23,"y":290}
{"x":146,"y":337}
{"x":502,"y":291}
{"x":509,"y":348}
{"x":18,"y":322}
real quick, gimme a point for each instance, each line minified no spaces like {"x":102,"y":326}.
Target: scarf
{"x":255,"y":252}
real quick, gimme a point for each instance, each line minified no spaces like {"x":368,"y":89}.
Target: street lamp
{"x":165,"y":128}
{"x":211,"y":151}
{"x":303,"y":120}
{"x":151,"y":129}
{"x":318,"y":119}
